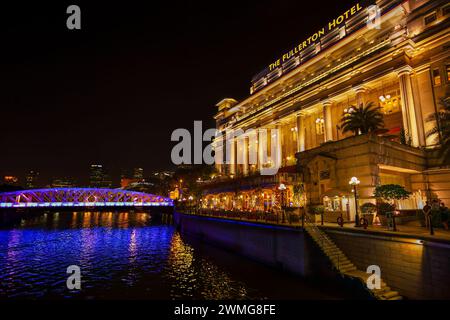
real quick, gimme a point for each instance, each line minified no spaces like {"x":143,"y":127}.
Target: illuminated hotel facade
{"x":398,"y":59}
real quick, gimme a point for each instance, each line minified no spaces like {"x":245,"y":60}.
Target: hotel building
{"x":395,"y":55}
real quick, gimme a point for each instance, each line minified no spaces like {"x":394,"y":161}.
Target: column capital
{"x":327,"y":102}
{"x":407,"y":69}
{"x":360,"y":88}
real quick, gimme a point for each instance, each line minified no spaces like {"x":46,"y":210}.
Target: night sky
{"x":114,"y":91}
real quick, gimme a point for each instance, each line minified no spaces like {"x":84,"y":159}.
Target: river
{"x":125,"y":255}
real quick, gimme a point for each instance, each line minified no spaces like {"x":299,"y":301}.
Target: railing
{"x":277,"y":216}
{"x":323,"y":239}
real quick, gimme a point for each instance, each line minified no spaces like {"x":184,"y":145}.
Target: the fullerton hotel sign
{"x":314,"y":38}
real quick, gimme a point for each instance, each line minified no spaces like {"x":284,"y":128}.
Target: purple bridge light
{"x":80,"y":197}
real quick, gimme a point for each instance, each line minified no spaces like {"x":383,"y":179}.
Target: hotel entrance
{"x":338,"y":203}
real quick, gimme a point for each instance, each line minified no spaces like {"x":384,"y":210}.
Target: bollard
{"x":340,"y":221}
{"x":363,"y":222}
{"x":430,"y":224}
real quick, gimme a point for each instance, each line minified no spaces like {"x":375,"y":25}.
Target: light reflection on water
{"x":123,"y":255}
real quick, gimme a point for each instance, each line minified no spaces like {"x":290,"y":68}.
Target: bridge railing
{"x":80,"y":197}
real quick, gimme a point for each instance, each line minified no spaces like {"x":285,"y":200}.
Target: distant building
{"x":126,"y":182}
{"x":98,"y":177}
{"x":138,"y":173}
{"x":63,"y":182}
{"x":162,"y":175}
{"x":175,"y":194}
{"x":32,"y":179}
{"x":11,"y":180}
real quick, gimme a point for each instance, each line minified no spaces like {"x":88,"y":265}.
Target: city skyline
{"x":32,"y":178}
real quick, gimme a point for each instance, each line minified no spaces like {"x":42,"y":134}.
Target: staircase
{"x":344,"y":266}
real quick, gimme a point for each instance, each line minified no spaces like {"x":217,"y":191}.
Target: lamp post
{"x":282,"y":187}
{"x":354,"y":182}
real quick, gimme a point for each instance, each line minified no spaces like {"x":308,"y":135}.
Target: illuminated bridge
{"x":80,"y":197}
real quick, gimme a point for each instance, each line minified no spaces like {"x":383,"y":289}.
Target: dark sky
{"x":114,"y":91}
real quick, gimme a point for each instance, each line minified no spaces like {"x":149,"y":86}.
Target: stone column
{"x":360,"y":92}
{"x":262,"y":141}
{"x":425,"y":104}
{"x":279,"y":154}
{"x":231,"y":153}
{"x":407,"y":101}
{"x":218,"y":158}
{"x":328,"y":123}
{"x":253,"y":150}
{"x":300,"y":133}
{"x":244,"y":155}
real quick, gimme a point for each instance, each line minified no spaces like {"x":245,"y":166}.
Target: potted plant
{"x":383,"y":209}
{"x":318,"y":212}
{"x":368,"y":212}
{"x":389,"y":193}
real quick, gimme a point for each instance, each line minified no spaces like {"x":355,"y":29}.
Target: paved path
{"x":412,"y":228}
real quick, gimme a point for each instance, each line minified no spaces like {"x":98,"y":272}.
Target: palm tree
{"x":441,"y":131}
{"x":362,"y":119}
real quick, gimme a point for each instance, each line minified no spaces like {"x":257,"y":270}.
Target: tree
{"x":391,"y":192}
{"x":191,"y":176}
{"x":441,"y":131}
{"x":362,"y":119}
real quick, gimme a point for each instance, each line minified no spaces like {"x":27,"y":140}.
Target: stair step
{"x":346,"y":268}
{"x":339,"y":257}
{"x":390,"y":294}
{"x":329,"y":246}
{"x":344,"y":265}
{"x":334,"y":251}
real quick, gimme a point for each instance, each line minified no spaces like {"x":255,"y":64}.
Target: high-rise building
{"x":98,"y":177}
{"x":63,"y":182}
{"x":32,"y":179}
{"x":11,"y":180}
{"x":138,"y":173}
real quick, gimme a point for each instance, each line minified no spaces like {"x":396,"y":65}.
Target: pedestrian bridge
{"x":80,"y":197}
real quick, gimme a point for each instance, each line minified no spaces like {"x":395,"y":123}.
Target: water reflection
{"x":125,"y":255}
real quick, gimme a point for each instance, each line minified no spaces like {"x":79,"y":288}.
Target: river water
{"x":124,"y":255}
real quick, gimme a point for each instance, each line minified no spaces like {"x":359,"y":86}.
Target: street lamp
{"x":282,"y":187}
{"x":354,"y":182}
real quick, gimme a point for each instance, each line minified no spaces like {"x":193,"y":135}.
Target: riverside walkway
{"x":411,"y":229}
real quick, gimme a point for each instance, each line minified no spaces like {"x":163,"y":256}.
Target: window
{"x":436,"y":77}
{"x":448,"y":72}
{"x":319,"y":126}
{"x":446,"y":10}
{"x":430,"y":18}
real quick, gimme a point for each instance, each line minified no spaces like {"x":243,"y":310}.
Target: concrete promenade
{"x":411,"y":229}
